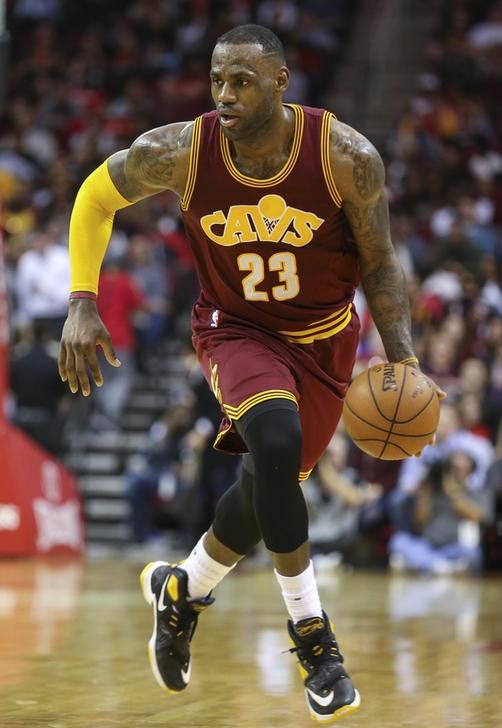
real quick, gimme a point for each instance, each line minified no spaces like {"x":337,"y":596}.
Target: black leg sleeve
{"x":235,"y":521}
{"x":274,"y":438}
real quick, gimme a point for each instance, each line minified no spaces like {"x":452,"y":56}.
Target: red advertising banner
{"x":40,"y":509}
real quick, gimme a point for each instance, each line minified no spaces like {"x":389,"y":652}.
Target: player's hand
{"x":441,"y":395}
{"x":83,"y":332}
{"x":440,"y":392}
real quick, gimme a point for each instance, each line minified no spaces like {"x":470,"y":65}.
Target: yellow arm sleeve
{"x":91,"y":227}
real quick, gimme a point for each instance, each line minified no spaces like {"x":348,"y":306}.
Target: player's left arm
{"x":359,"y":174}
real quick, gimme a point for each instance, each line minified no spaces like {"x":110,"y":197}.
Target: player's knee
{"x":274,"y":439}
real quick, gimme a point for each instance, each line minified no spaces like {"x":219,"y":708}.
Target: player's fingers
{"x":108,"y":351}
{"x":417,"y":454}
{"x":441,"y":393}
{"x":62,"y":362}
{"x":93,"y":364}
{"x":82,"y":375}
{"x":71,"y":373}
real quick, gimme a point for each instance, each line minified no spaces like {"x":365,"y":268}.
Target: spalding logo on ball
{"x":391,"y":411}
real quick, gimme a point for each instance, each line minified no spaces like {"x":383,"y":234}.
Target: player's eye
{"x":216,"y":82}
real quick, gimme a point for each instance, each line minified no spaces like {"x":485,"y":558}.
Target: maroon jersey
{"x":274,"y":252}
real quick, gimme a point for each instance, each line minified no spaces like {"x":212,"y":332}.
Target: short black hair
{"x":254,"y":34}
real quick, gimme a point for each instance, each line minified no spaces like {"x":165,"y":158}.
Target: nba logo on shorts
{"x":215,"y":317}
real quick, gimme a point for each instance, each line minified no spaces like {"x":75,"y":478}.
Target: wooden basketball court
{"x":73,"y":639}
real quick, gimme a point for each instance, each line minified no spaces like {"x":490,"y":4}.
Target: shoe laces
{"x":181,"y":621}
{"x":317,"y":647}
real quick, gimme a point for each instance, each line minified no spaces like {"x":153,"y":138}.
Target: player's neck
{"x":265,"y":155}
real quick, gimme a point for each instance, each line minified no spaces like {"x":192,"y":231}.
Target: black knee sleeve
{"x":274,"y":438}
{"x":235,"y":522}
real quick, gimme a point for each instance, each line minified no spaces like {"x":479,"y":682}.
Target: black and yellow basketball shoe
{"x":329,"y":690}
{"x":165,"y":587}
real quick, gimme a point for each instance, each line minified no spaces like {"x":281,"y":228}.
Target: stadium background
{"x":422,"y":80}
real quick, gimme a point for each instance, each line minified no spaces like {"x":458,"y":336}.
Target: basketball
{"x":391,"y":411}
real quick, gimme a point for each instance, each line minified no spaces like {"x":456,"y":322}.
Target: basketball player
{"x":285,"y":211}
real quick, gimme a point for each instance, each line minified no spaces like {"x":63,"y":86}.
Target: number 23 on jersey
{"x":283,"y":263}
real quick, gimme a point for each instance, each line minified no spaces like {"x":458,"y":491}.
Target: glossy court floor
{"x":73,"y":641}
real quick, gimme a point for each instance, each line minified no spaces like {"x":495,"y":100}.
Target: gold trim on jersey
{"x":235,"y":413}
{"x":322,"y":329}
{"x":325,"y":158}
{"x":304,"y":474}
{"x":193,"y":163}
{"x":250,"y":402}
{"x":220,"y":435}
{"x":284,"y":172}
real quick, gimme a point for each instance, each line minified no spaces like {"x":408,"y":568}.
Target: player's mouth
{"x":228,"y":120}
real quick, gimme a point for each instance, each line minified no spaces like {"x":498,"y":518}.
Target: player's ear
{"x":282,"y":79}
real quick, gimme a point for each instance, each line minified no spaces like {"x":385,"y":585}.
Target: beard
{"x":249,"y":129}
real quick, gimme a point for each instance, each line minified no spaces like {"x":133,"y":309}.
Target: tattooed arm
{"x":157,"y":160}
{"x":360,"y":175}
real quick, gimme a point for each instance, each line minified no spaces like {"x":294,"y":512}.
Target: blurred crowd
{"x":435,"y":514}
{"x":86,"y":78}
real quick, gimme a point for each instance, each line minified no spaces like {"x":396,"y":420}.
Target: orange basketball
{"x":391,"y":411}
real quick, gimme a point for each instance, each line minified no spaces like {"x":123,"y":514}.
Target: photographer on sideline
{"x":447,"y":516}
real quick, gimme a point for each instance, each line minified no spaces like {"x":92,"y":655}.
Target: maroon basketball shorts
{"x":245,"y":366}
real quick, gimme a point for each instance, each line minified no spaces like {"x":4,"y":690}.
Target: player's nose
{"x":226,"y":94}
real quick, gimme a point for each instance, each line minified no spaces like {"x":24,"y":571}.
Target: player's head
{"x":248,"y":77}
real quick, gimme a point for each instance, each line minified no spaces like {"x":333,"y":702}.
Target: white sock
{"x":300,"y":594}
{"x":204,"y":573}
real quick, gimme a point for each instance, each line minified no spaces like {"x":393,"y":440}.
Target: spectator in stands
{"x":36,"y":9}
{"x":494,"y":477}
{"x":159,"y":479}
{"x":495,"y":391}
{"x":450,"y":438}
{"x":337,"y":500}
{"x":472,"y":416}
{"x":40,"y":403}
{"x":279,"y":15}
{"x":147,"y":265}
{"x":487,"y":33}
{"x":28,"y":138}
{"x":457,"y":248}
{"x":118,"y":300}
{"x":43,"y":282}
{"x":440,"y":358}
{"x":447,"y":515}
{"x":479,"y":412}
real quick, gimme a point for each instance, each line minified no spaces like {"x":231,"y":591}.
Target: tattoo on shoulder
{"x":368,"y":173}
{"x":185,"y":138}
{"x":155,"y":159}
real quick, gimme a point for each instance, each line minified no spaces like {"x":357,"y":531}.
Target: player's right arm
{"x":157,"y":161}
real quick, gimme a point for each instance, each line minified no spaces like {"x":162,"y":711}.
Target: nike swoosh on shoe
{"x":323,"y":702}
{"x":161,"y":605}
{"x":186,"y":674}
